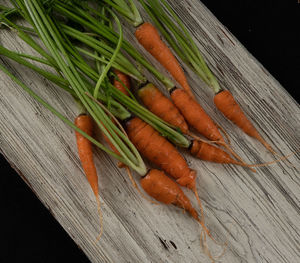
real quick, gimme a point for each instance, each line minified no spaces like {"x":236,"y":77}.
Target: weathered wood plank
{"x":258,"y":214}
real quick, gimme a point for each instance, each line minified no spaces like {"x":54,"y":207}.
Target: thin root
{"x":241,"y":162}
{"x":206,"y":250}
{"x":224,"y":132}
{"x":200,"y":206}
{"x":205,"y":231}
{"x":268,"y":146}
{"x":197,"y":138}
{"x":282,"y":158}
{"x":201,"y":221}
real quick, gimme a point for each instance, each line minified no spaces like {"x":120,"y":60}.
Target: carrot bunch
{"x":106,"y":95}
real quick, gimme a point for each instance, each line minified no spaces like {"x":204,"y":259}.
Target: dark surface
{"x":268,"y":29}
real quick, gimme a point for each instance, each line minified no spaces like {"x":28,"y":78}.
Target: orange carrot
{"x":163,"y":189}
{"x":226,"y":103}
{"x":84,"y":146}
{"x":208,"y":152}
{"x":125,"y":81}
{"x":161,"y":106}
{"x":149,"y":38}
{"x":160,"y":152}
{"x":195,"y":115}
{"x":85,"y":152}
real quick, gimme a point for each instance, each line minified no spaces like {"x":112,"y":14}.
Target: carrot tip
{"x":267,"y":146}
{"x":240,"y":160}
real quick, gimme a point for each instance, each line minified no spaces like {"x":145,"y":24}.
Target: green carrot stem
{"x":113,"y":57}
{"x":59,"y":115}
{"x":14,"y":56}
{"x":111,"y":36}
{"x":105,"y":61}
{"x":45,"y":29}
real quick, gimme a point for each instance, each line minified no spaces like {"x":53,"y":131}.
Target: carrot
{"x":149,"y":38}
{"x":226,"y":103}
{"x":160,"y":152}
{"x":124,"y":81}
{"x":195,"y":115}
{"x":163,"y":189}
{"x":161,"y":106}
{"x":208,"y":152}
{"x":85,"y":152}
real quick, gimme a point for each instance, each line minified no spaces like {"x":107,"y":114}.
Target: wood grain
{"x":257,"y":214}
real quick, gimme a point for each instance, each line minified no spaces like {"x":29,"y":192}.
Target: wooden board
{"x":257,"y":214}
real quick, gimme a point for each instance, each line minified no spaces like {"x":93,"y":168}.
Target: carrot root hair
{"x":282,"y":158}
{"x":267,"y":146}
{"x":206,"y":250}
{"x":224,"y":132}
{"x":240,"y":160}
{"x":205,"y":231}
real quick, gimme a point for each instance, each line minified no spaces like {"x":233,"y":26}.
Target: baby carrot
{"x":85,"y":152}
{"x":160,"y":152}
{"x":163,"y":189}
{"x":208,"y":152}
{"x":226,"y":103}
{"x":149,"y":38}
{"x":161,"y":106}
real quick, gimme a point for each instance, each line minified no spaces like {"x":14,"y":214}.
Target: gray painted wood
{"x":257,"y":214}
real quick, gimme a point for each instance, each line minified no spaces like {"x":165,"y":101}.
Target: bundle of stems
{"x":49,"y":33}
{"x":74,"y":75}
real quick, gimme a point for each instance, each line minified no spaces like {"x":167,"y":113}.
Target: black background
{"x":268,"y":29}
